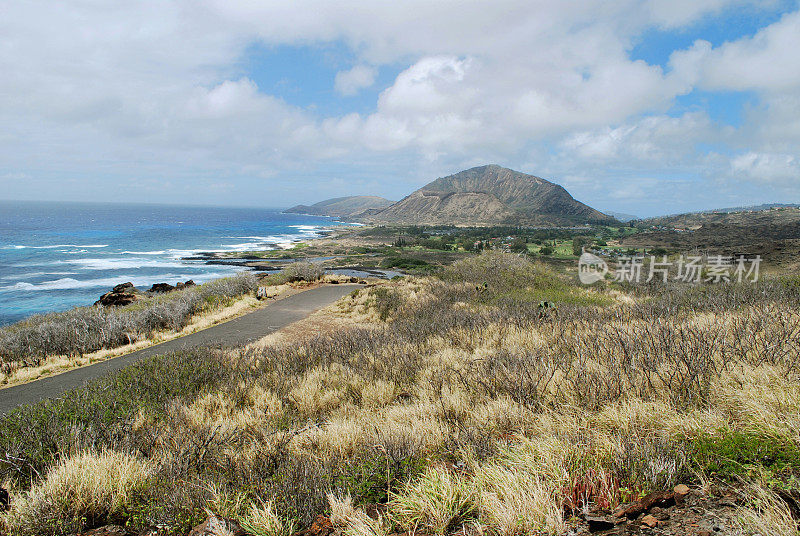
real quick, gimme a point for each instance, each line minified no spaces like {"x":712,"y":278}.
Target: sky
{"x":645,"y":107}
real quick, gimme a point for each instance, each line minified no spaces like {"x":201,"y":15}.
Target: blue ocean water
{"x":54,"y":256}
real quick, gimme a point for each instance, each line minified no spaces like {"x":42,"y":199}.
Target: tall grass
{"x":458,"y":406}
{"x":84,"y":490}
{"x":84,"y":330}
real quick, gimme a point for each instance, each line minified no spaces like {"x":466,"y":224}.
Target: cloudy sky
{"x":637,"y":106}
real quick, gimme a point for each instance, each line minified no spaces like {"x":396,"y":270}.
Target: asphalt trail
{"x":237,"y":332}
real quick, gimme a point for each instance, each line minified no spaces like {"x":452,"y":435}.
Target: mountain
{"x":489,"y":195}
{"x":621,"y":216}
{"x":342,"y":207}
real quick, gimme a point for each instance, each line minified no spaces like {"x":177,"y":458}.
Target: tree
{"x":577,"y":244}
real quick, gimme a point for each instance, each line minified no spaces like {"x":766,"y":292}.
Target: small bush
{"x":732,"y":453}
{"x":386,"y":301}
{"x":405,"y":263}
{"x":261,"y":520}
{"x":437,"y":501}
{"x":302,"y":271}
{"x":79,"y":492}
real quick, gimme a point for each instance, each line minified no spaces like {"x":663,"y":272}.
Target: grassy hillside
{"x":448,"y":404}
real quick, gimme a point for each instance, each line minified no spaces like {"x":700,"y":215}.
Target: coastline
{"x":68,"y":257}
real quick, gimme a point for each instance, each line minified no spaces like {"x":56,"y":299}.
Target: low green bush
{"x":731,"y":453}
{"x":405,"y":263}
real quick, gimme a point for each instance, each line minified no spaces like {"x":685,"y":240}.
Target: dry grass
{"x":461,"y":404}
{"x":768,"y":514}
{"x":437,"y":501}
{"x":79,"y":492}
{"x":260,"y":519}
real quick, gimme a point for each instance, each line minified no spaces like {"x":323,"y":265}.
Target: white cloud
{"x":768,"y":168}
{"x":766,"y":61}
{"x":651,"y":141}
{"x":158,"y":89}
{"x":350,"y":82}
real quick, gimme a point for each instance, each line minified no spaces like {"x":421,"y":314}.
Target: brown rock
{"x":217,"y":526}
{"x":161,"y":287}
{"x":321,"y":526}
{"x":664,"y":499}
{"x":650,"y":521}
{"x":598,"y":523}
{"x":659,"y":513}
{"x":681,"y":491}
{"x":123,"y":294}
{"x":124,"y":287}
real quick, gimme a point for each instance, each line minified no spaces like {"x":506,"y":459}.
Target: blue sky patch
{"x":303,"y":75}
{"x":655,"y":45}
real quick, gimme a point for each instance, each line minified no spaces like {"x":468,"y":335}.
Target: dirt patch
{"x":698,"y":512}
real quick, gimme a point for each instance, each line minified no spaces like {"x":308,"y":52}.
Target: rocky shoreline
{"x":127,"y":293}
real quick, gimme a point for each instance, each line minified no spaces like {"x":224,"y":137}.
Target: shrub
{"x":386,"y":300}
{"x":302,"y":271}
{"x":405,"y":263}
{"x":84,"y":330}
{"x":437,"y":501}
{"x":732,"y":453}
{"x":81,"y":492}
{"x":261,"y":520}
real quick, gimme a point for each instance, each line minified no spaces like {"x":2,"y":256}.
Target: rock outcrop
{"x":160,"y":288}
{"x":123,"y":294}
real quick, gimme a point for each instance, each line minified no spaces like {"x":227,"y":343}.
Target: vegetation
{"x":454,"y":401}
{"x":297,"y":271}
{"x":84,"y":330}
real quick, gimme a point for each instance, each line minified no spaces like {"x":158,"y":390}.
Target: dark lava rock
{"x":598,"y":523}
{"x":161,"y":287}
{"x":123,"y":294}
{"x":124,"y":287}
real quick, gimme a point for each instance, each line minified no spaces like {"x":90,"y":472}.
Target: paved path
{"x":236,"y":332}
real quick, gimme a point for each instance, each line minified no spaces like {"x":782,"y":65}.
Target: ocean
{"x":54,"y":256}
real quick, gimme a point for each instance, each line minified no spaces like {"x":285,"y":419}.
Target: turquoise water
{"x":54,"y":256}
